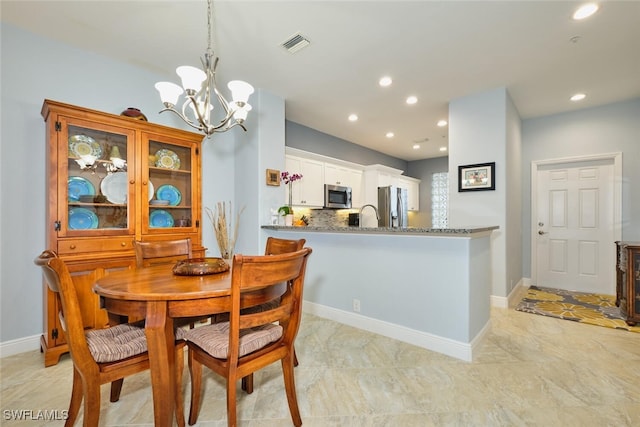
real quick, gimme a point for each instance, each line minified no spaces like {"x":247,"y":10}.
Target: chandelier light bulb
{"x":191,"y":77}
{"x":241,"y":113}
{"x":240,"y":91}
{"x":169,"y":93}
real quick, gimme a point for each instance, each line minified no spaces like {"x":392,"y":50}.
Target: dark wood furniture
{"x":89,"y":374}
{"x":628,"y":281}
{"x":94,"y":214}
{"x":159,"y":296}
{"x":267,"y":335}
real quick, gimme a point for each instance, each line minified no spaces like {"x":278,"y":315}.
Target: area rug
{"x":592,"y":309}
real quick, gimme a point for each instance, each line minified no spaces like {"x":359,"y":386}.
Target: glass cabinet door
{"x":170,"y":177}
{"x":98,"y":185}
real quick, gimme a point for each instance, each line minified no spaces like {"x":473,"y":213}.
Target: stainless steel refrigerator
{"x":392,"y":207}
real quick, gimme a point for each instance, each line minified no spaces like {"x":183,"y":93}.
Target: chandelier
{"x":199,"y":88}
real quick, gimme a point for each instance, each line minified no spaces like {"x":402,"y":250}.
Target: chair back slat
{"x":162,"y":252}
{"x":276,"y":246}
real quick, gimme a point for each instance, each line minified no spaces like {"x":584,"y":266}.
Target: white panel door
{"x":575,"y":227}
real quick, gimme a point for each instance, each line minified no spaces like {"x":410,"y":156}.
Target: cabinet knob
{"x":123,"y":244}
{"x":144,"y":182}
{"x":132,"y":182}
{"x":72,"y":246}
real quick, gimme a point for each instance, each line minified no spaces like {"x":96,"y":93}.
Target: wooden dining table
{"x":159,"y":296}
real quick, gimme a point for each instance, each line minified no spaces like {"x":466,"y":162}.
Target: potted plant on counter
{"x":287,"y":211}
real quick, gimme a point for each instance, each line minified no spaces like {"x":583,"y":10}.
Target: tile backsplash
{"x":324,"y":217}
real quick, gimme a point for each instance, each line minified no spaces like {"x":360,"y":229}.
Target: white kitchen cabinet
{"x":341,"y":175}
{"x":378,"y":176}
{"x":308,"y":191}
{"x":413,"y":191}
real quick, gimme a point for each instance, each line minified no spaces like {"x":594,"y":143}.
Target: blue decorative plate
{"x":82,"y":219}
{"x":160,"y":218}
{"x":78,"y":186}
{"x":170,"y":193}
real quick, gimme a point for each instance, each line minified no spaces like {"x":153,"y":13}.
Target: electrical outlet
{"x":356,"y":305}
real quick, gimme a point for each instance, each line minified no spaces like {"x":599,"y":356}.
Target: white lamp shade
{"x":169,"y":92}
{"x":241,"y":113}
{"x":240,"y":91}
{"x":192,"y":77}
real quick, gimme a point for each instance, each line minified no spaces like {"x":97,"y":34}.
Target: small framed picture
{"x":273,"y":177}
{"x":478,"y":177}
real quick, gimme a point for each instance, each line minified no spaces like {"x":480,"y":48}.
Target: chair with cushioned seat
{"x":250,"y":341}
{"x":99,"y":356}
{"x":274,"y":246}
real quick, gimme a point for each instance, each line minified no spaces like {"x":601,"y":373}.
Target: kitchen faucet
{"x":360,"y":213}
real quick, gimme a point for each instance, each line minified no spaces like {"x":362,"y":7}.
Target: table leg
{"x":161,"y":344}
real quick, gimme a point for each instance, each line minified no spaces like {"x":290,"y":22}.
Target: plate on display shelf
{"x":167,"y":159}
{"x":160,"y":218}
{"x":169,"y":193}
{"x":82,"y":219}
{"x":83,"y":145}
{"x":116,"y":185}
{"x":78,"y":187}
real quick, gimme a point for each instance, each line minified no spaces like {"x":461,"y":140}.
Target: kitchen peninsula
{"x":428,"y":287}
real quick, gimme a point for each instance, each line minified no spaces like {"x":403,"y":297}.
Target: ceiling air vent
{"x":295,"y":43}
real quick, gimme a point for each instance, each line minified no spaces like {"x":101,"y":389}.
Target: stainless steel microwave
{"x":337,"y":197}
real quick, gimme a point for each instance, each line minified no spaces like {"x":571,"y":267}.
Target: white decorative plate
{"x":167,"y":159}
{"x":83,"y":145}
{"x":115,"y":187}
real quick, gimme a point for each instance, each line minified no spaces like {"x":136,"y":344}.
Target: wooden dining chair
{"x":162,"y":252}
{"x":250,"y":341}
{"x":99,"y":356}
{"x":274,"y":246}
{"x":157,"y":252}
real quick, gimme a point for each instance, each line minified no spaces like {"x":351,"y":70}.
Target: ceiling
{"x":436,"y":50}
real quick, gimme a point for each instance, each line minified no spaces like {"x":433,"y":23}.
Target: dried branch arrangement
{"x":226,"y":234}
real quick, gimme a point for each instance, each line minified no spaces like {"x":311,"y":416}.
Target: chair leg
{"x":116,"y":388}
{"x":91,"y":404}
{"x":179,"y":395}
{"x":290,"y":388}
{"x":195,"y":371}
{"x":232,"y":418}
{"x":247,"y":383}
{"x":76,"y":399}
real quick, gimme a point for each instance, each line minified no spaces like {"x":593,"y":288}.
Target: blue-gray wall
{"x":606,"y":129}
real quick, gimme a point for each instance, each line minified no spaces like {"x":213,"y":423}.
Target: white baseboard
{"x":514,"y":296}
{"x":459,"y":350}
{"x":20,"y":345}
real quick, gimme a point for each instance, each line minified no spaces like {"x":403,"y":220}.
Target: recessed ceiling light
{"x":578,"y":97}
{"x":416,"y":146}
{"x":390,"y":135}
{"x":442,"y":123}
{"x":412,"y":100}
{"x":385,"y":81}
{"x":353,"y":117}
{"x":443,"y":148}
{"x":585,"y":11}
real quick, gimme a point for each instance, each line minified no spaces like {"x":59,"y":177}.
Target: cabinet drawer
{"x":73,"y":246}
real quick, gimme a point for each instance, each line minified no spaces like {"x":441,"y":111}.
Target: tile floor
{"x":532,"y":371}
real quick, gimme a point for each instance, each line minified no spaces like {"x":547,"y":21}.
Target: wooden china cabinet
{"x":112,"y":180}
{"x":628,"y":281}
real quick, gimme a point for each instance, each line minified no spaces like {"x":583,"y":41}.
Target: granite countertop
{"x":459,"y":231}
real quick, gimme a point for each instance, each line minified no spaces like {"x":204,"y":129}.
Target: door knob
{"x":540,"y":232}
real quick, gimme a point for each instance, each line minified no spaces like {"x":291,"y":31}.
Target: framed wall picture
{"x":273,"y":177}
{"x":478,"y":177}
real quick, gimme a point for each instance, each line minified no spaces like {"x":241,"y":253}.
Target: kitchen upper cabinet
{"x":413,"y":191}
{"x":375,"y":176}
{"x":341,"y":175}
{"x":309,"y":190}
